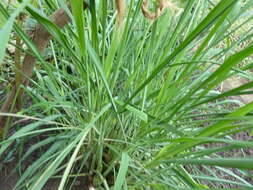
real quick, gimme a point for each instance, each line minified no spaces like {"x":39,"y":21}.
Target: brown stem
{"x":121,"y":9}
{"x":17,"y":62}
{"x":162,"y":5}
{"x":40,"y":38}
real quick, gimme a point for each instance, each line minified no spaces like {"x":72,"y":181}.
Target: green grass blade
{"x":122,"y":172}
{"x":241,"y":163}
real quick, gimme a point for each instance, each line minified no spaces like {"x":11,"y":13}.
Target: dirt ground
{"x":8,"y":180}
{"x":10,"y":174}
{"x":235,"y":153}
{"x":233,"y":83}
{"x":9,"y":177}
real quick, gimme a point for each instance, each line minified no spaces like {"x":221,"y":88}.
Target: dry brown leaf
{"x":163,"y":4}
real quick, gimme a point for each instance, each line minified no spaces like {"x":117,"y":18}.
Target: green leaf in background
{"x":2,"y":21}
{"x":5,"y":32}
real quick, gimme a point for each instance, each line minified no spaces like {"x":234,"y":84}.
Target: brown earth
{"x":233,"y":83}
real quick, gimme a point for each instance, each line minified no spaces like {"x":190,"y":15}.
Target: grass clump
{"x":133,"y":108}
